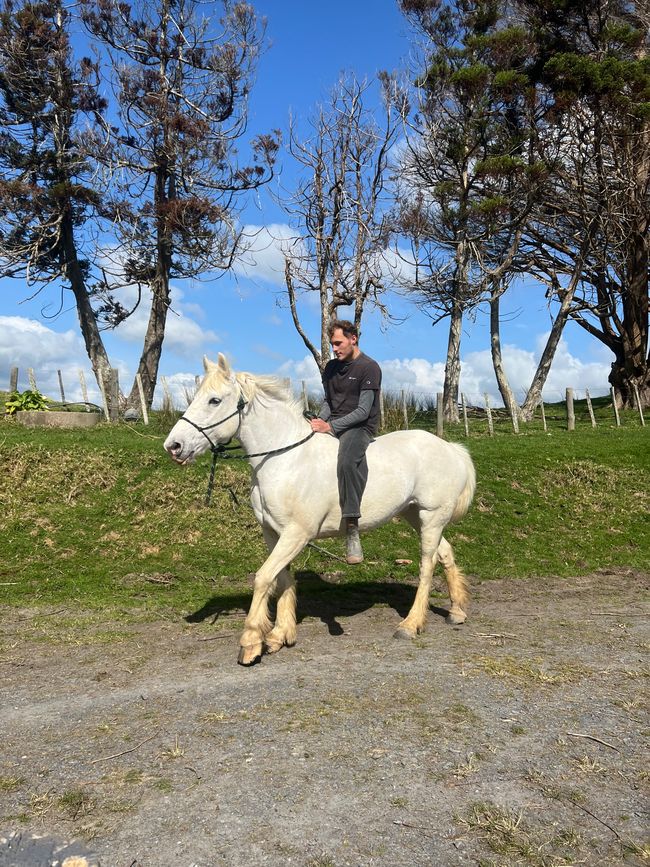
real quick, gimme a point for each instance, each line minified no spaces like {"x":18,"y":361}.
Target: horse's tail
{"x":467,"y":494}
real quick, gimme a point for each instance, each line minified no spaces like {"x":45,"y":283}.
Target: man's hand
{"x":320,"y":426}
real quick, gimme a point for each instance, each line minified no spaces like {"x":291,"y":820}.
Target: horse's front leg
{"x":257,"y":625}
{"x":284,"y":631}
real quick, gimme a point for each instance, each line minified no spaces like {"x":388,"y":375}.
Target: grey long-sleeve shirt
{"x":352,"y":419}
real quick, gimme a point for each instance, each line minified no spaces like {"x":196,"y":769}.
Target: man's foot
{"x":354,"y":552}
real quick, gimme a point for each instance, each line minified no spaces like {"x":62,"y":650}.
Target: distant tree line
{"x":517,"y":146}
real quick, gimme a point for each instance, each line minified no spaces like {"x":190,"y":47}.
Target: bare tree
{"x":182,"y":82}
{"x":339,"y":208}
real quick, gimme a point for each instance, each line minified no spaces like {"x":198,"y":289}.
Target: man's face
{"x":344,"y":347}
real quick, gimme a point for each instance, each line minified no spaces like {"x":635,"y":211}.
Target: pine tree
{"x":48,"y":106}
{"x":182,"y":83}
{"x":591,"y":58}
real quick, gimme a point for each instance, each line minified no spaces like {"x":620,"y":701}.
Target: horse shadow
{"x":326,"y":600}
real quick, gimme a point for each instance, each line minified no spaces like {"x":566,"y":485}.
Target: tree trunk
{"x":452,"y":365}
{"x":535,"y":390}
{"x":87,"y":319}
{"x":534,"y":393}
{"x":497,"y":358}
{"x":632,"y":360}
{"x":152,"y":347}
{"x":160,"y":300}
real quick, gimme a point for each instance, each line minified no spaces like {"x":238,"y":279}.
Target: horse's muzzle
{"x":175,"y":452}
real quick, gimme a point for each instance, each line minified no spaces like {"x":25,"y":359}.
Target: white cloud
{"x":183,"y":334}
{"x":180,"y":386}
{"x":26,"y":343}
{"x":305,"y":370}
{"x":423,"y":379}
{"x":263,"y":258}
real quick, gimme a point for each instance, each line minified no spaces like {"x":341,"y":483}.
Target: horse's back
{"x":420,"y":469}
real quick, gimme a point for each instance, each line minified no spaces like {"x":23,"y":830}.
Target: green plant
{"x":26,"y":400}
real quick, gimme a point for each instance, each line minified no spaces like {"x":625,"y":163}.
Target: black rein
{"x":219,"y":449}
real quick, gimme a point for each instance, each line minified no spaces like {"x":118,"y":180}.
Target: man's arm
{"x":358,"y":415}
{"x":352,"y":419}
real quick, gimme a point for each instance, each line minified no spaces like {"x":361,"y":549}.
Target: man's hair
{"x":348,"y":328}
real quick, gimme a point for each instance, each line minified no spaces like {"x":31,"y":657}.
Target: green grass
{"x":102,"y":520}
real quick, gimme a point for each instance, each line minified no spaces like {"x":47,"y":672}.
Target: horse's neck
{"x":271,"y":425}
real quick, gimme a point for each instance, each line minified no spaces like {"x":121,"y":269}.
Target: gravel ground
{"x":517,"y":738}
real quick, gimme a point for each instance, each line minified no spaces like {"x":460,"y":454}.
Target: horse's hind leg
{"x":456,"y":583}
{"x":430,"y":535}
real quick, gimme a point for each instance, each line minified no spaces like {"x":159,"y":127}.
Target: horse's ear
{"x":207,"y":364}
{"x":223,"y":365}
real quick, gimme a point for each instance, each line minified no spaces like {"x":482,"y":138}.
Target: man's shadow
{"x":322,"y":599}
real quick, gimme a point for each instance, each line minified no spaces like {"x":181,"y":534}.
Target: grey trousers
{"x":352,"y":470}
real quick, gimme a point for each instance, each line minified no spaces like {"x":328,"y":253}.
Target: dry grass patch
{"x":506,"y":833}
{"x":526,"y":671}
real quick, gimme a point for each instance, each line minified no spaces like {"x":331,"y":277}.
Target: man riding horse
{"x":351,"y":382}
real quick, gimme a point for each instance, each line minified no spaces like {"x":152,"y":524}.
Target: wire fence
{"x":400,"y":409}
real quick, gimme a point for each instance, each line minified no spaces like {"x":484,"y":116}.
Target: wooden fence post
{"x":541,"y":406}
{"x":570,"y":414}
{"x":464,"y":405}
{"x":489,"y":414}
{"x":58,"y":373}
{"x":381,"y":410}
{"x":113,"y":394}
{"x":32,"y":378}
{"x":590,"y":408}
{"x":13,"y":379}
{"x":404,"y":412}
{"x":143,"y":402}
{"x":612,"y":392}
{"x":84,"y":390}
{"x":439,"y":415}
{"x":638,"y":402}
{"x":305,"y":397}
{"x":102,"y":387}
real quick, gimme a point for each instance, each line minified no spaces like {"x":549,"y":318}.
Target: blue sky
{"x":243,"y":314}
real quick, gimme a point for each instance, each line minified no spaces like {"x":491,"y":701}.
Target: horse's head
{"x":213,"y":417}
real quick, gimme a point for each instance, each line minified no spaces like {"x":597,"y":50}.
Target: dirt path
{"x":515,"y":739}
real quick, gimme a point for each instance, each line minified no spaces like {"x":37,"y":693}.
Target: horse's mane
{"x":259,"y":387}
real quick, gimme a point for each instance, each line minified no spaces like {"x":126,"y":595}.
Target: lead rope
{"x":219,"y":449}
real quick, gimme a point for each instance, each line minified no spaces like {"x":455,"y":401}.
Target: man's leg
{"x":352,"y":471}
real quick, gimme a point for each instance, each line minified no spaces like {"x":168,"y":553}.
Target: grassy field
{"x":102,"y":520}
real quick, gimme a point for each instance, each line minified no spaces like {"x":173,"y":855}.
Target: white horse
{"x":294,"y":492}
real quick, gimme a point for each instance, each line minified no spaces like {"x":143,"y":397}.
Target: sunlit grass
{"x":102,"y":519}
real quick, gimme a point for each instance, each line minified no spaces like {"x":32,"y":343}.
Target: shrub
{"x":26,"y":400}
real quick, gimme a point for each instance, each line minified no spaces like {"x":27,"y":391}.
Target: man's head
{"x":344,"y":338}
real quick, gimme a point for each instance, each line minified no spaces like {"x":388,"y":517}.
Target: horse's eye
{"x":214,"y":401}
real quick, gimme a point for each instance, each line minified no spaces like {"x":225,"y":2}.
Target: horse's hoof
{"x":404,"y":634}
{"x":454,"y":619}
{"x":273,"y":646}
{"x":250,"y":655}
